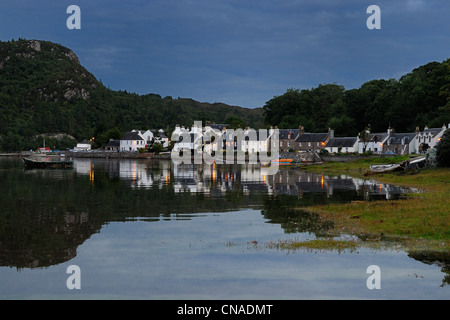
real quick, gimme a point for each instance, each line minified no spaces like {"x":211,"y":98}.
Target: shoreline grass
{"x":421,"y":222}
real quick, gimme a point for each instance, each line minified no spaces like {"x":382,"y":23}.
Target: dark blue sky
{"x":237,"y":52}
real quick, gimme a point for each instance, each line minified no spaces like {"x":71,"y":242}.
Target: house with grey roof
{"x":374,"y":142}
{"x":287,"y":139}
{"x":312,"y":142}
{"x":342,"y":144}
{"x":113,"y":145}
{"x":428,"y":138}
{"x":132,"y":141}
{"x":400,"y":143}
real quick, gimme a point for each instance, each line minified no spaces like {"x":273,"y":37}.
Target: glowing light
{"x":91,"y":173}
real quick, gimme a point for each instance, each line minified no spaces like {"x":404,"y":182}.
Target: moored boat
{"x":45,"y":163}
{"x":385,"y":167}
{"x":282,"y":160}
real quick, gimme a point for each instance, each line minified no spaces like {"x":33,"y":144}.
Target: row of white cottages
{"x":216,"y":137}
{"x":298,"y":140}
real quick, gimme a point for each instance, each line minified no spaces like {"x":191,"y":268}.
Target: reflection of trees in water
{"x":46,"y":214}
{"x":439,"y":258}
{"x":284,"y":210}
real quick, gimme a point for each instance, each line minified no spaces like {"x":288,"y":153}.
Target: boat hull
{"x":31,"y":163}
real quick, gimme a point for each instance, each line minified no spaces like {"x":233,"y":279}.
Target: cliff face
{"x":41,"y":70}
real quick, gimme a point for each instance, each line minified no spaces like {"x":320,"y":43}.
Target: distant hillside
{"x":45,"y":90}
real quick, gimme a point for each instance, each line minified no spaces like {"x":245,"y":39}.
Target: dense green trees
{"x":443,"y":150}
{"x":45,"y":90}
{"x":419,"y":98}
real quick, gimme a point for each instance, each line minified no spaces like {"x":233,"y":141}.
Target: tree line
{"x":47,"y":91}
{"x":419,"y":98}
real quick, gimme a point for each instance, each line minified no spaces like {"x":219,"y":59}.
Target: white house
{"x":344,"y":145}
{"x":83,"y":146}
{"x":374,"y":143}
{"x":212,"y":139}
{"x":132,"y":141}
{"x":260,"y":141}
{"x":161,"y":138}
{"x":187,"y":140}
{"x":146,"y":135}
{"x":428,"y":138}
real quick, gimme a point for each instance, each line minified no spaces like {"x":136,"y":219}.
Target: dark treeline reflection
{"x":46,"y":214}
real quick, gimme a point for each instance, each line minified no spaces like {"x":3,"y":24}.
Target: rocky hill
{"x":44,"y":89}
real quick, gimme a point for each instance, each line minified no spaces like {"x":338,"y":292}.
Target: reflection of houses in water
{"x":142,"y":174}
{"x":216,"y":180}
{"x":136,"y":172}
{"x":370,"y":188}
{"x":88,"y":167}
{"x":297,"y":182}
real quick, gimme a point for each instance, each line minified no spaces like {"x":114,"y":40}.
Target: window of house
{"x":309,"y":144}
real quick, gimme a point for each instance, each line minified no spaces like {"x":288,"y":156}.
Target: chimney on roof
{"x":417,"y":130}
{"x":302,"y":130}
{"x":331,"y":133}
{"x":390,"y":130}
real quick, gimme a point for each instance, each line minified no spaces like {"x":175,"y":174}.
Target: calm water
{"x":140,"y":229}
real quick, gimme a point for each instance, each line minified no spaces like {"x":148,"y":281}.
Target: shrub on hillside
{"x":443,"y":150}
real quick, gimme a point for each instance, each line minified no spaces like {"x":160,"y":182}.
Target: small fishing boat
{"x":46,"y":163}
{"x":417,"y":160}
{"x":413,"y":163}
{"x":283,"y":160}
{"x":385,"y":167}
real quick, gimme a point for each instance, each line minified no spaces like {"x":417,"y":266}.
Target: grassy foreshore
{"x":421,"y":222}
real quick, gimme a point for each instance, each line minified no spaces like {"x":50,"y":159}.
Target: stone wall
{"x":115,"y":155}
{"x":348,"y":158}
{"x":102,"y":154}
